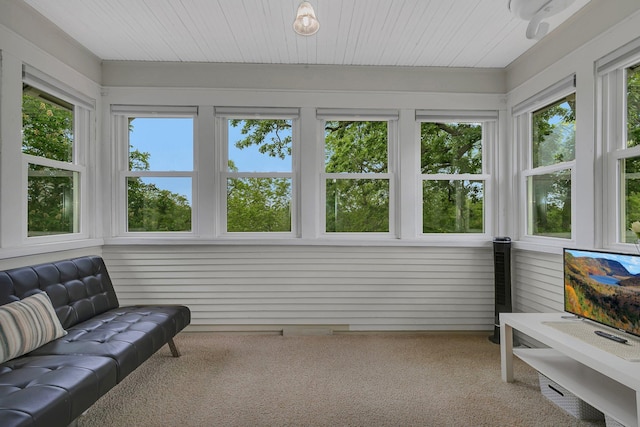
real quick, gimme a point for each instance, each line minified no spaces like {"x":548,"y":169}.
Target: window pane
{"x":52,"y":198}
{"x":161,"y":144}
{"x":452,"y":148}
{"x":633,"y":106}
{"x":258,"y":204}
{"x":550,"y":204}
{"x":356,"y":147}
{"x":554,"y":133}
{"x":357,"y":205}
{"x":47,"y":126}
{"x":159,"y":204}
{"x":630,"y":185}
{"x":259,"y":145}
{"x":452,"y":206}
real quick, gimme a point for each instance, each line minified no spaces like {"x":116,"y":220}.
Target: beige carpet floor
{"x":363,"y":380}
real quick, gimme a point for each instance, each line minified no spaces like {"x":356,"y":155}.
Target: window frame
{"x":121,"y":114}
{"x":522,"y":116}
{"x":324,"y":115}
{"x":489,"y":121}
{"x":611,"y":79}
{"x":83,"y":113}
{"x":222,"y":115}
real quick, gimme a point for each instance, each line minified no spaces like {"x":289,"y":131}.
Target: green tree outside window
{"x":630,"y":167}
{"x":452,"y":205}
{"x":151,"y":205}
{"x":259,"y":204}
{"x":52,"y":193}
{"x":553,"y":142}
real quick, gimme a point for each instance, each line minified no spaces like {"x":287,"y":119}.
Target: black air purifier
{"x":502,"y":282}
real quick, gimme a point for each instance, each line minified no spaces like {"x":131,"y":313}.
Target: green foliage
{"x":553,"y":142}
{"x":362,"y":205}
{"x":451,"y":148}
{"x":149,"y":208}
{"x":259,"y":205}
{"x":47,"y":131}
{"x":258,"y":131}
{"x":50,"y":201}
{"x":553,"y":133}
{"x":452,"y":206}
{"x":138,"y":160}
{"x":631,"y":166}
{"x":356,"y":147}
{"x":633,"y":106}
{"x":153,"y":209}
{"x":353,"y":205}
{"x":551,"y":210}
{"x":357,"y":205}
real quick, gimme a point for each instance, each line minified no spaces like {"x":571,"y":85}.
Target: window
{"x":453,"y":170}
{"x":451,"y":203}
{"x":625,"y":146}
{"x":159,"y":175}
{"x":52,"y":128}
{"x":258,"y":173}
{"x":357,"y":178}
{"x":547,"y":124}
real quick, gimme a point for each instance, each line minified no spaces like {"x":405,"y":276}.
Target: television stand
{"x":604,"y":380}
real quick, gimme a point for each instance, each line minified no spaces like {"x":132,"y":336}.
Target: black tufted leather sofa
{"x":56,"y":383}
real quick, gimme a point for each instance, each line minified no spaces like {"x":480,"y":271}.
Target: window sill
{"x":440,"y":242}
{"x":49,"y":247}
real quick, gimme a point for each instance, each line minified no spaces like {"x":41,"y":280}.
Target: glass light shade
{"x":306,"y":23}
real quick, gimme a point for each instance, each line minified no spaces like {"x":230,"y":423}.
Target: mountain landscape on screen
{"x":601,"y":288}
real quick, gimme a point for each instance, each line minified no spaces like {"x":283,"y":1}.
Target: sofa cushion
{"x":52,"y":390}
{"x":129,"y":335}
{"x":26,"y":325}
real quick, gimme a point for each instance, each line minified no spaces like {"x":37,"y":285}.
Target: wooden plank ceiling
{"x":441,"y":33}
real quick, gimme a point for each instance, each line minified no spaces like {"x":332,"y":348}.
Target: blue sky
{"x":170,"y":143}
{"x":631,"y":262}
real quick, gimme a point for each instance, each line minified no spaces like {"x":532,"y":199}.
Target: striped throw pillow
{"x":26,"y":325}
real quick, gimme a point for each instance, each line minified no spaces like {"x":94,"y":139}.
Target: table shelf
{"x":600,"y":378}
{"x":598,"y":390}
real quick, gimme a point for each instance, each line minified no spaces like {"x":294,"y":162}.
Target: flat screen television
{"x":603,"y":287}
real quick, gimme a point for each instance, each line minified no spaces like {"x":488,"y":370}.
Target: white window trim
{"x":83,"y":110}
{"x":489,"y":121}
{"x":611,"y":81}
{"x":120,"y":116}
{"x":391,"y":117}
{"x":522,"y":116}
{"x":222,"y":117}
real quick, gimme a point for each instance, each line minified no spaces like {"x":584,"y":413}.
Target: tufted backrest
{"x":79,"y":288}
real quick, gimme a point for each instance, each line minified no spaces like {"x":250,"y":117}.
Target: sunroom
{"x":273,"y":194}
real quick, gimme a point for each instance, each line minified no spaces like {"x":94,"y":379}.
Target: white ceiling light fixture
{"x":535,"y":11}
{"x":306,"y":23}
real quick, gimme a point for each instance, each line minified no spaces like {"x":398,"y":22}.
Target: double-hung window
{"x":454,"y":169}
{"x":157,"y":168}
{"x":620,"y":89}
{"x":258,"y":158}
{"x":55,"y":129}
{"x":358,"y":172}
{"x":546,"y":126}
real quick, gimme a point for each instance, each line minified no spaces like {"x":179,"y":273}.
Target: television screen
{"x":603,"y":287}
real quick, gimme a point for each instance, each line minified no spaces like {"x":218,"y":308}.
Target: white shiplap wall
{"x":537,"y":282}
{"x":248,"y":287}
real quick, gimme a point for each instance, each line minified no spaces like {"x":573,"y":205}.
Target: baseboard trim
{"x":299,"y":330}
